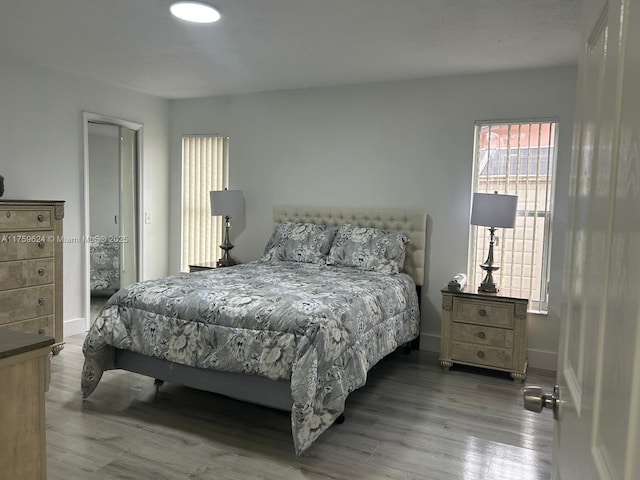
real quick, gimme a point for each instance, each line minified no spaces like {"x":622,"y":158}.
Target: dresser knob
{"x":8,"y":214}
{"x":480,"y":354}
{"x":41,"y":218}
{"x":41,"y":301}
{"x":481,"y":335}
{"x":482,"y":312}
{"x":41,"y":271}
{"x":40,"y":244}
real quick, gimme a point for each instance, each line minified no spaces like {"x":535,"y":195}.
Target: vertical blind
{"x":205,"y":165}
{"x":517,"y":158}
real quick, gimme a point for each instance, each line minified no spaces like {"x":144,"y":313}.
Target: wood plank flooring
{"x":411,"y":421}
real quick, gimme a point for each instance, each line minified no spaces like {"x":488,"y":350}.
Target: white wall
{"x":41,"y":157}
{"x":395,"y":145}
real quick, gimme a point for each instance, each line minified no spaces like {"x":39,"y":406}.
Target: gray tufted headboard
{"x":413,"y":223}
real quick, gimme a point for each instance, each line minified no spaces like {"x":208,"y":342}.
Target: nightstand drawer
{"x":482,"y":355}
{"x":483,"y":313}
{"x":482,"y":335}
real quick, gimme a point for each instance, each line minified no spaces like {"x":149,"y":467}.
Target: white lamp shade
{"x":228,"y":203}
{"x":494,"y":210}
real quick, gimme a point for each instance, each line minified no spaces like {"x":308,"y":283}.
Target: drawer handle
{"x":40,"y":244}
{"x":41,"y":301}
{"x":41,"y":218}
{"x":41,"y":331}
{"x":41,"y":271}
{"x":480,"y":354}
{"x":481,"y":335}
{"x":482,"y":312}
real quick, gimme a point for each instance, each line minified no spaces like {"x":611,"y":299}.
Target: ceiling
{"x":262,"y":45}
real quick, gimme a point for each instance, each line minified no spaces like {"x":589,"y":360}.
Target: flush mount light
{"x":197,"y":12}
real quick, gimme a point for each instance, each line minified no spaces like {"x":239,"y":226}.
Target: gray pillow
{"x":368,"y":249}
{"x":300,"y":242}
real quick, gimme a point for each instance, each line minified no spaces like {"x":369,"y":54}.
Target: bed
{"x":297,"y":330}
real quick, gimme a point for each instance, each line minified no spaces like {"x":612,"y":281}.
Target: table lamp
{"x":226,"y":203}
{"x":493,"y":211}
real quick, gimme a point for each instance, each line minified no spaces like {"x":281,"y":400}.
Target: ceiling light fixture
{"x":197,"y":12}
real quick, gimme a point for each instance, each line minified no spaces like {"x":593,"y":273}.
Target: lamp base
{"x":488,"y":285}
{"x":488,"y":288}
{"x":226,"y":262}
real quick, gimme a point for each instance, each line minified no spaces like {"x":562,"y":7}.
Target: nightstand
{"x":485,"y":330}
{"x":202,"y":266}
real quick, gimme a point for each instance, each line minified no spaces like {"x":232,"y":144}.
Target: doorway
{"x":112,"y":150}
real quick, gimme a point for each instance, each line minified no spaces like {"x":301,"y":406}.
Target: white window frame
{"x":205,"y":167}
{"x":512,"y":184}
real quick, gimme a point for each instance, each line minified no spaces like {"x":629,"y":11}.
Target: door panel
{"x":596,"y":436}
{"x":616,"y":436}
{"x":128,"y":207}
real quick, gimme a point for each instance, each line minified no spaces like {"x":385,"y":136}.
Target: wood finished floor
{"x":411,"y":421}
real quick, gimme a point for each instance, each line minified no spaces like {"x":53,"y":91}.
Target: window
{"x":205,"y":160}
{"x":517,"y":158}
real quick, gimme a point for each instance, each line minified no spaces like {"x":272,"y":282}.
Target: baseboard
{"x":74,"y":327}
{"x":541,"y":359}
{"x":429,"y":342}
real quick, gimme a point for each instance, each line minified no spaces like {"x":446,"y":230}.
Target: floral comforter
{"x":105,"y":266}
{"x":320,"y":327}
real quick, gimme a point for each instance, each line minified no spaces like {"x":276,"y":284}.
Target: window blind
{"x":517,"y":158}
{"x":205,"y":165}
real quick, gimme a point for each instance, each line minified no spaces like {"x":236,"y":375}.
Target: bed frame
{"x":277,"y":393}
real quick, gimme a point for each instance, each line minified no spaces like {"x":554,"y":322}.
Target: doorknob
{"x":535,"y":400}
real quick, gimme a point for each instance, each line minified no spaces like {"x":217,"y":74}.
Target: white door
{"x":597,"y":435}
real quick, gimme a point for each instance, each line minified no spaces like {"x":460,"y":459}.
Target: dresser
{"x":31,"y":267}
{"x":484,"y":330}
{"x":24,"y":379}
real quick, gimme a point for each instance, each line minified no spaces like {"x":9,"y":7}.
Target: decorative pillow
{"x":300,"y":242}
{"x":368,"y":249}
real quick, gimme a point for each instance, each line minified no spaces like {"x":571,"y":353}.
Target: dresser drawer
{"x":482,"y":355}
{"x":482,"y":335}
{"x":25,"y":303}
{"x":40,"y":325}
{"x":26,"y":273}
{"x":18,"y":219}
{"x":483,"y":313}
{"x":25,"y":245}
